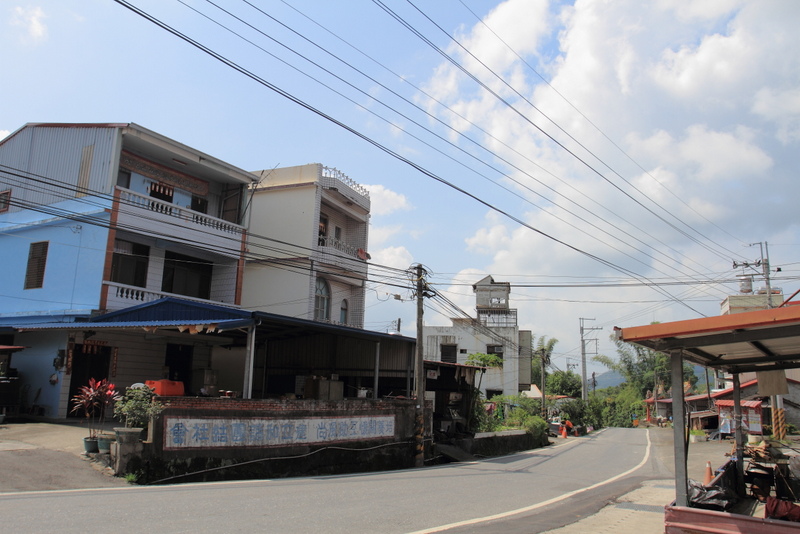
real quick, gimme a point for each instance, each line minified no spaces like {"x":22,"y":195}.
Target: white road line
{"x":541,"y":504}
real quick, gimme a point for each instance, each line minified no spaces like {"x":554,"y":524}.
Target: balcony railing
{"x":200,"y":221}
{"x":123,"y":296}
{"x":341,"y":246}
{"x":497,"y":318}
{"x":332,"y":172}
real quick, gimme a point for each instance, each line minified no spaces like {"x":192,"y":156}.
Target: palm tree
{"x":544,"y":349}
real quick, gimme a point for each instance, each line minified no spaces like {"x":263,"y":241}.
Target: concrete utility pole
{"x":545,"y":362}
{"x":584,"y":384}
{"x":776,"y":401}
{"x":419,"y":379}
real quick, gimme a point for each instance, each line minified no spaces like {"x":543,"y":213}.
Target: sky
{"x":610,"y":160}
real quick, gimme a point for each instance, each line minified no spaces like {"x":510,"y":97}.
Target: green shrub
{"x":137,"y":407}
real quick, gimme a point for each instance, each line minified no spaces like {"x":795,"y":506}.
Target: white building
{"x":494,"y":331}
{"x":307,"y":247}
{"x":103,"y":217}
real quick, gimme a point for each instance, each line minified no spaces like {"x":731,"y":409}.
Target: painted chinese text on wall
{"x":193,"y":433}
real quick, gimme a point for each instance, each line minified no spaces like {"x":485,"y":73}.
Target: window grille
{"x":37,"y":259}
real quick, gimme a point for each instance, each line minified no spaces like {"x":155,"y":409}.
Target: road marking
{"x":541,"y":504}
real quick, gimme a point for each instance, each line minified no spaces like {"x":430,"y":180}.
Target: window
{"x":323,"y":229}
{"x":495,"y":349}
{"x":129,"y":263}
{"x":199,"y":204}
{"x":337,"y":233}
{"x":124,"y":178}
{"x":5,"y":200}
{"x":184,"y":275}
{"x":448,"y":353}
{"x":322,"y":301}
{"x":37,"y":259}
{"x":162,"y":191}
{"x":343,"y":312}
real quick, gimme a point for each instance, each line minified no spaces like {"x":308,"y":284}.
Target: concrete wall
{"x":73,"y":269}
{"x":246,"y":437}
{"x":500,"y":443}
{"x":467,"y":338}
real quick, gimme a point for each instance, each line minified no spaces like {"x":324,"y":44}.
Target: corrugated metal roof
{"x":173,"y":309}
{"x":760,"y":340}
{"x":171,"y":312}
{"x":744,"y":403}
{"x":218,"y":325}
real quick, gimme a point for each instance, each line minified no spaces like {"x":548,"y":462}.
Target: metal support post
{"x":737,"y":422}
{"x":679,"y":432}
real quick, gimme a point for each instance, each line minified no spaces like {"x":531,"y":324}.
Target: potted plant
{"x":696,"y":435}
{"x":92,"y":400}
{"x":136,"y":407}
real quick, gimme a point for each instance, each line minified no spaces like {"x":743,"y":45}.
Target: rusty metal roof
{"x":743,"y":404}
{"x":761,"y":340}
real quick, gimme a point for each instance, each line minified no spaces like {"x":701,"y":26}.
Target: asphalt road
{"x":530,"y":492}
{"x":41,"y":456}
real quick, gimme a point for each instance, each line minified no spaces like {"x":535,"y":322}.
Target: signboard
{"x":751,"y":420}
{"x":203,"y":433}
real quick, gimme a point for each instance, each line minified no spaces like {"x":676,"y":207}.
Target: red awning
{"x":743,"y":404}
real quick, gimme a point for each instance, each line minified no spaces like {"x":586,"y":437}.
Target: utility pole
{"x":545,"y":361}
{"x":776,"y":401}
{"x":419,"y":378}
{"x":763,"y":262}
{"x":584,"y":385}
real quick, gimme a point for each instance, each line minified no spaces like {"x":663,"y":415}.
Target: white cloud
{"x":31,"y":19}
{"x":4,"y":133}
{"x":397,"y":257}
{"x":384,"y":201}
{"x":378,"y":235}
{"x":782,"y":107}
{"x":489,"y":240}
{"x":702,"y":98}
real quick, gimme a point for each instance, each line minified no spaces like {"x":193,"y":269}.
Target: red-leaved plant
{"x":92,"y":400}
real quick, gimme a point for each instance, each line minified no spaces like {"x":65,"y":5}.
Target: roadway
{"x":530,"y":492}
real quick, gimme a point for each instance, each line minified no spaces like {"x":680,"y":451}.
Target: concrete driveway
{"x":36,"y":456}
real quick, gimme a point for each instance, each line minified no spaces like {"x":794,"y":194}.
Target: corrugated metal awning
{"x":761,"y":340}
{"x":744,"y":404}
{"x":205,"y":325}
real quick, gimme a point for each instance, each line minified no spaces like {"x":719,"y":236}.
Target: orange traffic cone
{"x":563,"y":432}
{"x":709,"y":474}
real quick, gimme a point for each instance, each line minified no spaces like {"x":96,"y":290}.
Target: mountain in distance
{"x":608,"y":379}
{"x":613,"y":378}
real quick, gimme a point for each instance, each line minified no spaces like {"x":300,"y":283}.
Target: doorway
{"x":178,"y":362}
{"x":88,"y":361}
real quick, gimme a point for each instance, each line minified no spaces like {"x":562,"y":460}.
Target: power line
{"x":228,"y":62}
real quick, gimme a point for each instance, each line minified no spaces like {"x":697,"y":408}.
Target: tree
{"x":644,"y":369}
{"x":564,"y":383}
{"x":542,"y":352}
{"x":482,"y":359}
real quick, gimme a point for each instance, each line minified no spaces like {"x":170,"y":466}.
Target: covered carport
{"x":762,"y":341}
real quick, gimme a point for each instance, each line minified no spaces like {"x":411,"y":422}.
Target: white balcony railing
{"x":123,"y":296}
{"x":341,"y":246}
{"x":186,"y":216}
{"x":336,"y":174}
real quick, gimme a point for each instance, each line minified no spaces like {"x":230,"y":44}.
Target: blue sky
{"x":644,"y":145}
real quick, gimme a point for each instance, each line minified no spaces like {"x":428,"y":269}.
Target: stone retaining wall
{"x":210,"y":438}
